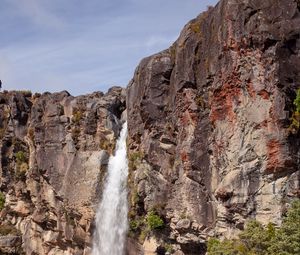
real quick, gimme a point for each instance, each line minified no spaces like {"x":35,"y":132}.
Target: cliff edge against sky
{"x":211,"y":142}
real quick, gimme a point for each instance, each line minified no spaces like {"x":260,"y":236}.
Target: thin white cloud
{"x":87,"y":46}
{"x":37,"y":13}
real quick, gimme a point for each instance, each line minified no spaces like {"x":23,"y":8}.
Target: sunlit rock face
{"x":54,"y":154}
{"x":210,"y":141}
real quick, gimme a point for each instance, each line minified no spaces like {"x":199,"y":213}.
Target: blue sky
{"x":84,"y":46}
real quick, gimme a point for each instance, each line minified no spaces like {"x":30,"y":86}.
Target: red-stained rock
{"x":274,"y":156}
{"x":224,"y":92}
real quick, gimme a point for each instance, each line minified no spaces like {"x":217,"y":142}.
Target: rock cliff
{"x":210,"y":137}
{"x":54,"y":152}
{"x":211,"y":140}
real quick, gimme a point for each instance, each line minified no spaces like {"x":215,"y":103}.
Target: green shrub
{"x":137,"y":155}
{"x":22,"y":165}
{"x":297,"y":101}
{"x":134,"y":225}
{"x":295,"y":125}
{"x":168,"y":247}
{"x":77,"y":116}
{"x":259,"y":240}
{"x":287,"y":238}
{"x":134,"y":159}
{"x":21,"y":157}
{"x":2,"y":200}
{"x":226,"y":247}
{"x":154,"y":221}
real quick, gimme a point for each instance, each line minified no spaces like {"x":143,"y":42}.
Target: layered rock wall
{"x":54,"y":152}
{"x":211,"y":141}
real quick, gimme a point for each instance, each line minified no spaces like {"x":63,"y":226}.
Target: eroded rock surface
{"x":54,"y":153}
{"x":210,"y":140}
{"x":209,"y":124}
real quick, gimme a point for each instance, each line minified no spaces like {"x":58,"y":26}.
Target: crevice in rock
{"x":269,"y":43}
{"x":250,"y":15}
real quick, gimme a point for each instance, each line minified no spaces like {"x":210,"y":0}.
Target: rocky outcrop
{"x":210,"y":141}
{"x":54,"y":152}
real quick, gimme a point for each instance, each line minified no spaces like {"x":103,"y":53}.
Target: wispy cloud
{"x":82,"y":46}
{"x":37,"y":12}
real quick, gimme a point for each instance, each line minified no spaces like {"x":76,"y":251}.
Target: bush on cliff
{"x":154,"y":221}
{"x":2,"y":200}
{"x":259,"y":240}
{"x":297,"y":101}
{"x":295,"y":125}
{"x":21,"y":157}
{"x":21,"y":165}
{"x":287,"y":237}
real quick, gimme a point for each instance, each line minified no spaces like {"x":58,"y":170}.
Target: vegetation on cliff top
{"x":295,"y":125}
{"x":259,"y":240}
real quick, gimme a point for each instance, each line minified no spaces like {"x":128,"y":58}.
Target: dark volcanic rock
{"x":209,"y":120}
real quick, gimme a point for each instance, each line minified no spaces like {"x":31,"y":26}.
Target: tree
{"x":287,"y":238}
{"x":259,"y":240}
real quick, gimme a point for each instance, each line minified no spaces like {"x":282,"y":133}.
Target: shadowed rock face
{"x":54,"y":152}
{"x":209,"y":119}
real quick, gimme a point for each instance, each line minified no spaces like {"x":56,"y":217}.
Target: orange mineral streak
{"x":224,"y":99}
{"x":274,"y":160}
{"x":264,"y":94}
{"x":184,"y":156}
{"x":189,"y":118}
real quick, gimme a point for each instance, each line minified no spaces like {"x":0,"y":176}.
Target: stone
{"x":208,"y":134}
{"x":10,"y":244}
{"x":211,"y":116}
{"x":150,"y":246}
{"x":10,"y":241}
{"x":183,"y":224}
{"x":66,"y":142}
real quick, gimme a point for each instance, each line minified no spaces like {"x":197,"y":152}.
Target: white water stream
{"x":111,"y":216}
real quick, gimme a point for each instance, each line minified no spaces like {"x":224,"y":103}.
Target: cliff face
{"x":211,"y":141}
{"x":54,"y":152}
{"x":210,"y":137}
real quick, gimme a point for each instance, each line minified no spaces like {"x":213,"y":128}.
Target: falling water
{"x":111,"y":216}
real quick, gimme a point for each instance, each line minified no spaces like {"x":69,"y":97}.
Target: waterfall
{"x":111,"y":216}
